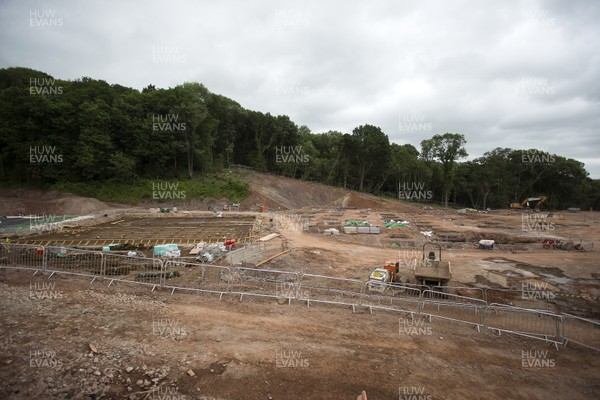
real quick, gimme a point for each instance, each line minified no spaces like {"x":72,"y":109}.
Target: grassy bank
{"x":217,"y":186}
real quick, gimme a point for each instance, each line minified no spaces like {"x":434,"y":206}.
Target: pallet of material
{"x":351,"y":230}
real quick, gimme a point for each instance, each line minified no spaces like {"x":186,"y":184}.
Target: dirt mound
{"x":281,"y":193}
{"x":287,"y":193}
{"x":35,"y":201}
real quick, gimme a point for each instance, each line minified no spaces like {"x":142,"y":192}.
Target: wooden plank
{"x":275,"y":256}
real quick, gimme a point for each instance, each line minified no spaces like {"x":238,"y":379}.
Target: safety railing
{"x":376,"y":299}
{"x":535,"y":324}
{"x":402,"y":290}
{"x":454,"y":307}
{"x":58,"y":259}
{"x":122,"y":268}
{"x":263,"y":283}
{"x":22,"y":256}
{"x":583,"y":331}
{"x":197,"y":277}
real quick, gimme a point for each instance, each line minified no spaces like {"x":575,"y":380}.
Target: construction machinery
{"x":534,"y":203}
{"x":428,"y":270}
{"x":379,"y":280}
{"x":382,"y":276}
{"x":431,"y":270}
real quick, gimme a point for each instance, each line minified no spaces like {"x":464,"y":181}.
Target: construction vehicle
{"x":428,"y":270}
{"x":534,"y":203}
{"x":380,"y":277}
{"x":431,"y":270}
{"x":379,"y":280}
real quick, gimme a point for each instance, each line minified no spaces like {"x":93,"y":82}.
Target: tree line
{"x":87,"y":130}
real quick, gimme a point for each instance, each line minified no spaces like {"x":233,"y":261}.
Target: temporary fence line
{"x":174,"y":274}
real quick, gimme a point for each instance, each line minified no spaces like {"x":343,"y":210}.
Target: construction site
{"x":302,"y":291}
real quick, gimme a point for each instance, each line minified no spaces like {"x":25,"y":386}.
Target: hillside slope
{"x":281,"y":193}
{"x":273,"y":191}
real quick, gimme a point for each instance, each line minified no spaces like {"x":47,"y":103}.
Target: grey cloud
{"x":515,"y":74}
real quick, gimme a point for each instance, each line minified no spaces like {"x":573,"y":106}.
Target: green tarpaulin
{"x":356,"y":223}
{"x":394,"y":225}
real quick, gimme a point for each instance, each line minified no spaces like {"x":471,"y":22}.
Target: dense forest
{"x":87,"y":130}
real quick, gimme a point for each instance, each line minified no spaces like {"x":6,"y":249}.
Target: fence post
{"x":485,"y":311}
{"x":163,"y":273}
{"x":560,"y":320}
{"x":44,"y":258}
{"x":229,"y":279}
{"x":102,"y":265}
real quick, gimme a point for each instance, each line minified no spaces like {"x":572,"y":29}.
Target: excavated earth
{"x":63,"y":337}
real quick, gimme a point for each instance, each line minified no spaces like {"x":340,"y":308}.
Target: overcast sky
{"x":518,"y":74}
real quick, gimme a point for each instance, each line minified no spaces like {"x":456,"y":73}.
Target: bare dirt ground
{"x":254,"y":350}
{"x":262,"y":350}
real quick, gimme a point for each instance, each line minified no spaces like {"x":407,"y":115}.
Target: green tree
{"x":447,"y":149}
{"x":191,"y":107}
{"x":369,"y":151}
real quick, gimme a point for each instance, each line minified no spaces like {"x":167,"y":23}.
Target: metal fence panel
{"x":537,"y":324}
{"x":140,"y":270}
{"x":454,"y":307}
{"x":401,"y":290}
{"x":74,"y":261}
{"x":372,"y":299}
{"x":469,"y":313}
{"x":22,"y":256}
{"x":264,"y":282}
{"x":583,"y":331}
{"x":204,"y":277}
{"x":347,"y":291}
{"x":443,"y":297}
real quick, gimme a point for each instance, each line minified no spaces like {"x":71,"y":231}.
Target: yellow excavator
{"x":533,"y":203}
